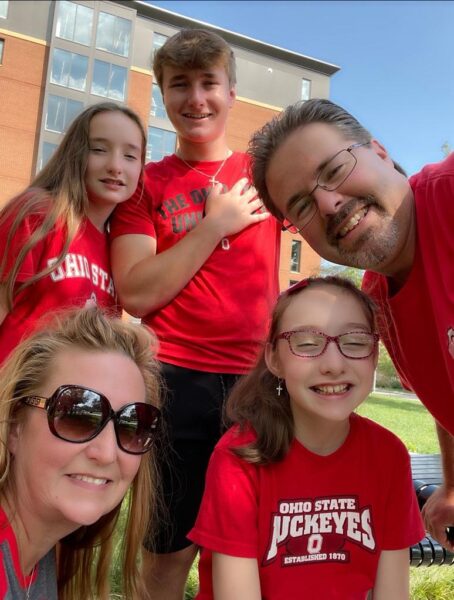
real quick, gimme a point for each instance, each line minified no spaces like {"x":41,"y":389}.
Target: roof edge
{"x":235,"y":39}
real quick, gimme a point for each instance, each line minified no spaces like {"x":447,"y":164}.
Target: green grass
{"x":433,"y":583}
{"x":405,"y":417}
{"x":193,"y":582}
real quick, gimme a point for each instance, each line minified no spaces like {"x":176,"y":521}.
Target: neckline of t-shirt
{"x":88,"y":224}
{"x":23,"y":579}
{"x":206,"y":163}
{"x":337,"y":454}
{"x":413,"y":279}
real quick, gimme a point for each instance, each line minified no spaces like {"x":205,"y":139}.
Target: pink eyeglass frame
{"x":286,"y":335}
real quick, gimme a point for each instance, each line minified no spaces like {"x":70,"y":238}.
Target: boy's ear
{"x":272,"y":360}
{"x":232,"y":94}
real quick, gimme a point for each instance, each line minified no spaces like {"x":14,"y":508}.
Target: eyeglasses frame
{"x":49,"y":403}
{"x":286,"y":335}
{"x":293,"y":228}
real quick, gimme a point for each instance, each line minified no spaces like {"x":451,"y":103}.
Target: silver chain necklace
{"x":27,"y":591}
{"x":212,"y":178}
{"x":225,"y":243}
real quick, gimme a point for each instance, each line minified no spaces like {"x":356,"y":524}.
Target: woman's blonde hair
{"x":85,"y":555}
{"x":56,"y":198}
{"x":254,"y":402}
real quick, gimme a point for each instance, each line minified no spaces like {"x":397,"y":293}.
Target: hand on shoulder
{"x":233,"y":210}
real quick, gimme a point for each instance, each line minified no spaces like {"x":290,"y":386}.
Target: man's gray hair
{"x":265,"y":142}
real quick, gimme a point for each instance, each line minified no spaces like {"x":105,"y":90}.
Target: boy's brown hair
{"x":194,"y":49}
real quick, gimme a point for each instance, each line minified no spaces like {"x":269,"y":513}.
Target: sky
{"x":396,"y":60}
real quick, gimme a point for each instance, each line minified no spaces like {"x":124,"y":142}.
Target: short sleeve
{"x":227,"y":520}
{"x":134,"y":215}
{"x":403,"y":526}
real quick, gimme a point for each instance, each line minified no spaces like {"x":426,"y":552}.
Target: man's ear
{"x":272,"y":360}
{"x":381,"y":151}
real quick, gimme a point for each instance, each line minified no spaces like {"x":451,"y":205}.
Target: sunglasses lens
{"x":78,"y":414}
{"x":136,"y":427}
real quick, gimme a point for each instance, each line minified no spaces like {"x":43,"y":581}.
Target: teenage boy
{"x":197,"y":258}
{"x":320,"y":172}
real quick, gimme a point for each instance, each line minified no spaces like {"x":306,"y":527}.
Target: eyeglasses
{"x":308,"y":343}
{"x":332,"y":176}
{"x":77,"y":414}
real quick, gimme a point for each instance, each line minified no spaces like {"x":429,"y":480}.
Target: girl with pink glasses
{"x":304,"y":498}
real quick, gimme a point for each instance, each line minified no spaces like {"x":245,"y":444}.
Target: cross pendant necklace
{"x":211,"y":178}
{"x":225,"y":243}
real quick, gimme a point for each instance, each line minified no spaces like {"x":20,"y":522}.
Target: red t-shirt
{"x":418,"y":323}
{"x":218,"y":321}
{"x":315,"y":524}
{"x":84,"y":276}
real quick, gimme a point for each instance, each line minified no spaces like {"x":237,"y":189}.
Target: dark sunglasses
{"x":77,"y":414}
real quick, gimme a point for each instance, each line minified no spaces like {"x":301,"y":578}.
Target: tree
{"x":446,"y":149}
{"x":355,"y":275}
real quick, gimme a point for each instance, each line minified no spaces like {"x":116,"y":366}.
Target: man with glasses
{"x":320,"y":172}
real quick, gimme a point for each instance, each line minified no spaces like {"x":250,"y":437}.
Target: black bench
{"x":427,"y":476}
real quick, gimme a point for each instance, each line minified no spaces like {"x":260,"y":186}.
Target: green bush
{"x":386,"y":373}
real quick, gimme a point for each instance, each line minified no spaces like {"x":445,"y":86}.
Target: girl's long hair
{"x":56,"y":198}
{"x":254,"y":402}
{"x":85,"y":556}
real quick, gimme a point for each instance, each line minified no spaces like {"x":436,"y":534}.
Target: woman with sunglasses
{"x":304,"y":498}
{"x":78,"y":411}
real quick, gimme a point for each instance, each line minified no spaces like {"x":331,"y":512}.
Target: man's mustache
{"x":350,"y":207}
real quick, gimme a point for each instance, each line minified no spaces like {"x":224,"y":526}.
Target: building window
{"x":3,"y":9}
{"x":47,"y":150}
{"x":295,"y":258}
{"x":74,"y":22}
{"x":113,"y":34}
{"x":2,"y":45}
{"x":69,"y":69}
{"x":305,"y":89}
{"x":160,"y":143}
{"x":158,"y":41}
{"x":60,"y":112}
{"x":109,"y":80}
{"x":157,"y":103}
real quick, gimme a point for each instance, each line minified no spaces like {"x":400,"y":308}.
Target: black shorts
{"x":193,"y":415}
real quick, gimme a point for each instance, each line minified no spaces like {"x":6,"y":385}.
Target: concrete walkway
{"x":396,"y":393}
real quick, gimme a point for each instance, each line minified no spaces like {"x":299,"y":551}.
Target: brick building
{"x":56,"y":57}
